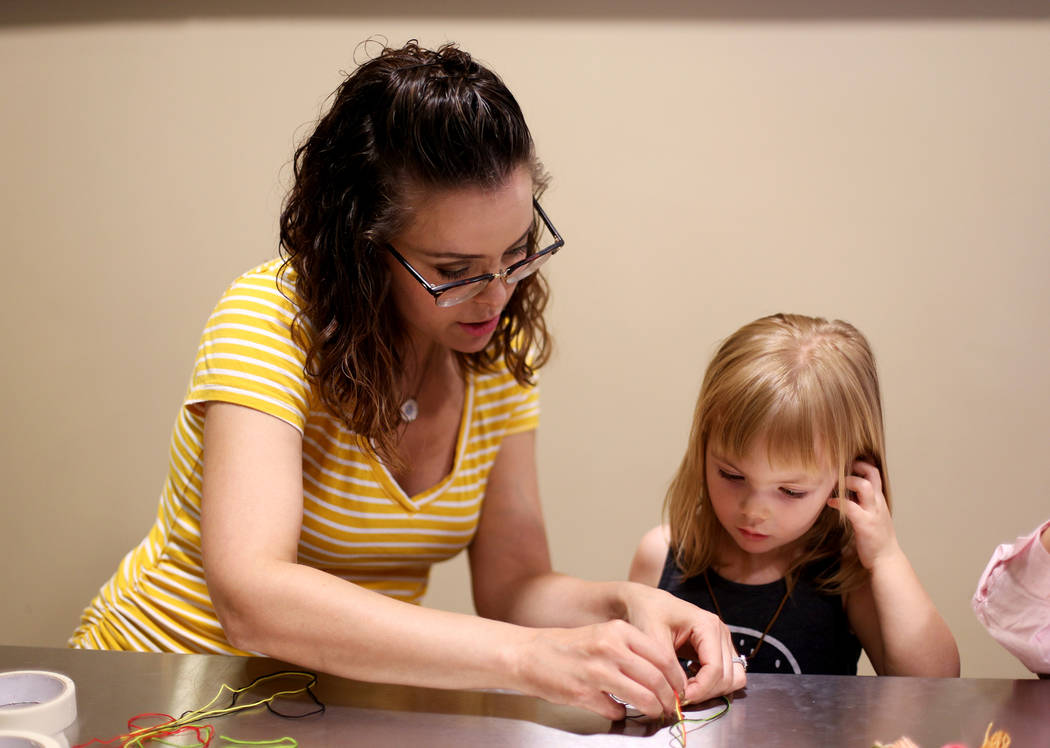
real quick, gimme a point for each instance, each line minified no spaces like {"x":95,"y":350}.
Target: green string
{"x":679,"y":738}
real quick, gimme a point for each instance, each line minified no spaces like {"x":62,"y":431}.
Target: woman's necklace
{"x":409,"y":410}
{"x":410,"y":407}
{"x":769,"y":625}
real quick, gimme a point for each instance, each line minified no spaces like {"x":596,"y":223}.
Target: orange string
{"x":681,"y":719}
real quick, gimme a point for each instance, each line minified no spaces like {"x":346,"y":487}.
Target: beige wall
{"x":708,"y":169}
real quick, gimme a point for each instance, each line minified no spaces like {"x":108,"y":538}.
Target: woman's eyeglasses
{"x":450,"y":294}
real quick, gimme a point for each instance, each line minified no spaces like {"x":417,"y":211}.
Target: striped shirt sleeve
{"x":247,"y":355}
{"x":526,"y":413}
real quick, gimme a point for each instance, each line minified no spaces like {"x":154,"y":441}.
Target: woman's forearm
{"x":315,"y":620}
{"x":553,"y":599}
{"x":305,"y":616}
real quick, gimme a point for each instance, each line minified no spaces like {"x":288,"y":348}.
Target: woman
{"x":367,"y":408}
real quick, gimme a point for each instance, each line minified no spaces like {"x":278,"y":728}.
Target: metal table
{"x":774,"y":710}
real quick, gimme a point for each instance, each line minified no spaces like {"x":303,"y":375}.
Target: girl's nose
{"x":753,"y":509}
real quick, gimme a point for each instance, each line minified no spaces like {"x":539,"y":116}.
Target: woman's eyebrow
{"x":462,"y":256}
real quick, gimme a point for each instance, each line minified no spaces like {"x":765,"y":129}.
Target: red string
{"x":203,"y":733}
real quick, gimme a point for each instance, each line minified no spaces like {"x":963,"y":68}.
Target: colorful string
{"x":997,"y":739}
{"x":679,"y":731}
{"x":284,"y":742}
{"x":171,"y":726}
{"x":678,"y":713}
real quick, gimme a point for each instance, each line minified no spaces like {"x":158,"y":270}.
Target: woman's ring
{"x":742,"y":660}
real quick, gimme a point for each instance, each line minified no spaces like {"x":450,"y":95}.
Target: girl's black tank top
{"x":811,"y":635}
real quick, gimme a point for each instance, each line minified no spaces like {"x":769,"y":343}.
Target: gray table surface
{"x":774,"y":710}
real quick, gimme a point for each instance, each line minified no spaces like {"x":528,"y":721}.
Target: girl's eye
{"x":729,"y":476}
{"x":518,"y":252}
{"x":792,"y":494}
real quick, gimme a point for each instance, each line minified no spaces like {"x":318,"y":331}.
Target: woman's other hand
{"x":682,"y":627}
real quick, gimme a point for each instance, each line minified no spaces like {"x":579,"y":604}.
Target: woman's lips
{"x":480,"y":329}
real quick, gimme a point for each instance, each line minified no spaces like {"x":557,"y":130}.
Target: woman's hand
{"x":681,"y":627}
{"x":578,"y":650}
{"x":632,"y":657}
{"x":869,"y":515}
{"x":582,"y":666}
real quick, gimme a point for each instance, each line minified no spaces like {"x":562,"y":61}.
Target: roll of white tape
{"x":26,"y":739}
{"x":37,"y":701}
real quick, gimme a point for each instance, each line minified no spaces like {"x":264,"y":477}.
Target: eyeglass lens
{"x":469,"y":291}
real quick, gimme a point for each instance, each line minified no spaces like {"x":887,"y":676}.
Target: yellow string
{"x":998,"y":739}
{"x":285,"y":742}
{"x":678,"y":713}
{"x":138,"y":737}
{"x":680,"y":737}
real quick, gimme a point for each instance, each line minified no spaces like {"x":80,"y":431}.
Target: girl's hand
{"x":869,"y":515}
{"x":894,"y":618}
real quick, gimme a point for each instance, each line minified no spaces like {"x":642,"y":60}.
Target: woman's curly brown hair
{"x":409,"y":118}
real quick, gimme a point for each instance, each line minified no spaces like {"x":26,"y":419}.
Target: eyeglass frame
{"x":441,"y":288}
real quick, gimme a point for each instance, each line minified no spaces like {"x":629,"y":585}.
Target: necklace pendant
{"x":409,"y":410}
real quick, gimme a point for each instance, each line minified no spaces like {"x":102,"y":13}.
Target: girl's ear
{"x":852,"y":495}
{"x":835,"y":494}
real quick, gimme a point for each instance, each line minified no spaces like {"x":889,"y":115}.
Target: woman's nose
{"x":495,"y":294}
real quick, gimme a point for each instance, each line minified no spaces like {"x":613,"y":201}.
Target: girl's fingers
{"x":870,"y":473}
{"x":851,"y":509}
{"x":863,"y":489}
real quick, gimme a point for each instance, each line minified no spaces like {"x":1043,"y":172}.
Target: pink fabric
{"x":1013,"y":599}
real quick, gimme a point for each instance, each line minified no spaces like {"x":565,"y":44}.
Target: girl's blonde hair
{"x":809,"y":387}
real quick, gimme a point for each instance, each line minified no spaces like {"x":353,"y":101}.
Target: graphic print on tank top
{"x":810,"y":635}
{"x":764,"y":661}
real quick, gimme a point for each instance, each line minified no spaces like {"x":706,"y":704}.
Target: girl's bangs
{"x":795,"y":428}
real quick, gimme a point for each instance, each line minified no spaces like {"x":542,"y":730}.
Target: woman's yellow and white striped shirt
{"x":358,"y":523}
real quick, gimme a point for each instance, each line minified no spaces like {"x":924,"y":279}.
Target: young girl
{"x":788,"y":422}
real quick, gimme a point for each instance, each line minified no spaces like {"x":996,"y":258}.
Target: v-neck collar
{"x":421,"y":499}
